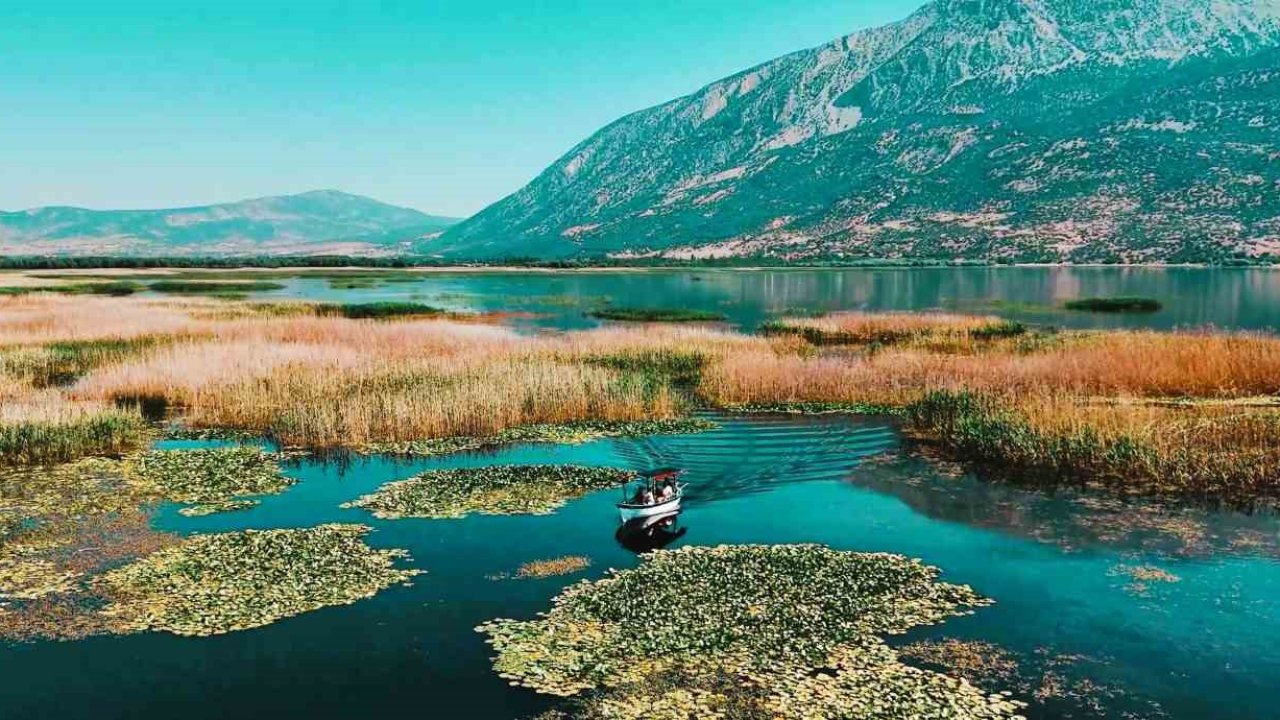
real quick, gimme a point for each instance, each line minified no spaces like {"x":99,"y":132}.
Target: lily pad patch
{"x":213,"y":479}
{"x":492,"y":490}
{"x":788,"y":631}
{"x":219,"y":583}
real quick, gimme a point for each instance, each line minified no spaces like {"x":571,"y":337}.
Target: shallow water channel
{"x":1202,"y":643}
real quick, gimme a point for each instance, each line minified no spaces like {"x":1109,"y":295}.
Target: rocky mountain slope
{"x":323,"y":221}
{"x":1027,"y":130}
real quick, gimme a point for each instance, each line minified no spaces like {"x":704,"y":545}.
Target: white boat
{"x":631,"y":507}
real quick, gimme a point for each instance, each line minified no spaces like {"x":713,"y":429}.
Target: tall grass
{"x":1222,"y":455}
{"x":1076,"y":406}
{"x":41,"y":435}
{"x":60,"y":363}
{"x":215,"y":288}
{"x":858,"y":328}
{"x":316,"y":408}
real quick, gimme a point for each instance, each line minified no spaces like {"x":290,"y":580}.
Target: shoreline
{"x":601,"y":269}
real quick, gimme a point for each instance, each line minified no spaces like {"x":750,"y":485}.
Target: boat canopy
{"x":651,"y":479}
{"x":662,"y":473}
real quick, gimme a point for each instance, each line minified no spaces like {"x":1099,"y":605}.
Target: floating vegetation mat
{"x":213,"y":584}
{"x":494,"y":490}
{"x":570,"y":433}
{"x":566,"y":565}
{"x":815,"y":408}
{"x":1142,"y":578}
{"x":214,"y":478}
{"x":1061,"y":684}
{"x":61,"y":526}
{"x":753,"y":631}
{"x":657,"y":315}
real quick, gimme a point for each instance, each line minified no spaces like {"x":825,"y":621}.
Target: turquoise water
{"x":1205,"y":646}
{"x":1240,"y":298}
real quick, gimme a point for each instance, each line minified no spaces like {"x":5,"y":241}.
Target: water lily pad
{"x":493,"y":490}
{"x":213,"y":477}
{"x":566,"y":434}
{"x":792,"y":631}
{"x":213,"y":584}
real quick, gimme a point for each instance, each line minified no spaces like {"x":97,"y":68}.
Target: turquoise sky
{"x":443,"y":105}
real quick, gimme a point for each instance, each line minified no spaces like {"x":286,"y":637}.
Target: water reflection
{"x":1069,"y":519}
{"x":1238,"y":298}
{"x":642,"y":535}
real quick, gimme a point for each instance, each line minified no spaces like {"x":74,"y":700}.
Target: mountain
{"x":318,"y":222}
{"x":1000,"y":130}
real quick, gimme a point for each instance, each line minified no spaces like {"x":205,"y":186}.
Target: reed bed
{"x":849,"y":328}
{"x":1219,"y":453}
{"x":315,"y":378}
{"x":49,"y":430}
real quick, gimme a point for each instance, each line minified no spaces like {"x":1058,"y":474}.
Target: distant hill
{"x":1026,"y":130}
{"x":318,"y":222}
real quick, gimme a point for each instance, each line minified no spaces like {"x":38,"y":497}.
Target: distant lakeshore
{"x":431,"y":264}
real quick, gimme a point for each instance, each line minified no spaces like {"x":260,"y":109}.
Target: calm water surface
{"x":1205,"y":646}
{"x":1244,"y":298}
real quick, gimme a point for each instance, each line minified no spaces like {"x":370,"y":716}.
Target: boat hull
{"x":628,"y":511}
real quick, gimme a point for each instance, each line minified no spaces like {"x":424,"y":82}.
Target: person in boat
{"x":646,"y":497}
{"x":668,"y":490}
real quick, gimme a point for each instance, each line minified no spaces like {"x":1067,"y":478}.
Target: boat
{"x":646,"y":534}
{"x":631,"y":507}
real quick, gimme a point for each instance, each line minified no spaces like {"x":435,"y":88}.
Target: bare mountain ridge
{"x":1044,"y":130}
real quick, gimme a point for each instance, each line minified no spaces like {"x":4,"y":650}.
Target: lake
{"x":1235,"y":298}
{"x":1203,"y":642}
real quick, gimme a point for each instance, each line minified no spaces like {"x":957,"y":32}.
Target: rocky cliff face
{"x":322,"y":221}
{"x":1031,"y":130}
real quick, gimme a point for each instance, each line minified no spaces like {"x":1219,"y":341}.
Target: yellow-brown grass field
{"x":1142,"y":409}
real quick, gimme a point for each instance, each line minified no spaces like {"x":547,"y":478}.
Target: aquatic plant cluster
{"x":60,"y":527}
{"x":492,"y":490}
{"x":567,"y":565}
{"x":1182,"y":459}
{"x":893,"y":328}
{"x":1115,"y":305}
{"x":620,"y":314}
{"x":219,"y":583}
{"x":212,"y":479}
{"x":562,"y":434}
{"x":783,"y":631}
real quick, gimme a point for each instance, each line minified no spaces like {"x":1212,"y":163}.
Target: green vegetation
{"x":31,"y":442}
{"x":682,"y":367}
{"x":361,"y":311}
{"x":496,"y":490}
{"x":59,"y":527}
{"x":830,"y":330}
{"x":213,"y":478}
{"x":62,"y":363}
{"x":220,"y":506}
{"x":567,"y":565}
{"x":752,"y":631}
{"x":565,"y":434}
{"x":817,"y":408}
{"x":116,"y":289}
{"x":1232,"y":459}
{"x":999,"y":330}
{"x":214,"y":584}
{"x":657,"y":315}
{"x":213,"y":289}
{"x":1114,"y":305}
